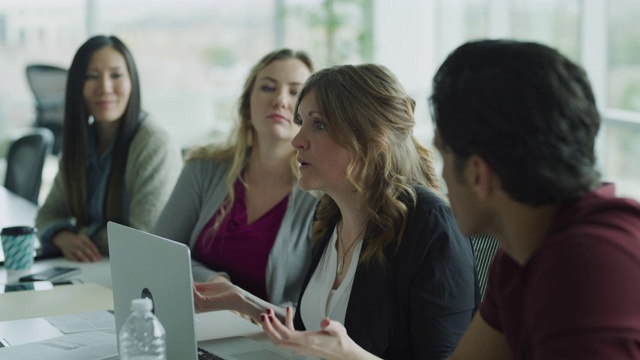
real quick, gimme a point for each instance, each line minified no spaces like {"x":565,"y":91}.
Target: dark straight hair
{"x":76,"y":118}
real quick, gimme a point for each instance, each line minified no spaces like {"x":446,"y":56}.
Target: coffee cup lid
{"x":18,"y":230}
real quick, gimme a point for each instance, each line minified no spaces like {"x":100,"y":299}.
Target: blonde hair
{"x":367,"y":111}
{"x":237,"y":151}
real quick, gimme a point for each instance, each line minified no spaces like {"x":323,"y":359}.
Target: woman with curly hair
{"x":390,"y":267}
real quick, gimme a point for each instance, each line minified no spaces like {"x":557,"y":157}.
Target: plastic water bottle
{"x":142,"y":336}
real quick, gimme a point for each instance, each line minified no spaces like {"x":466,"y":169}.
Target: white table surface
{"x":210,"y":325}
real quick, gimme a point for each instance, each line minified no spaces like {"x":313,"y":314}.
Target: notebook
{"x":146,"y":265}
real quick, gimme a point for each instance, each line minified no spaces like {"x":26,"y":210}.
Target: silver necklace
{"x":344,"y":254}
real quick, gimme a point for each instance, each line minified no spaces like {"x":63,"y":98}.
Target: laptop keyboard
{"x":205,"y":355}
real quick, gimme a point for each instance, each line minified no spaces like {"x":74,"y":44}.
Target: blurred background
{"x":193,"y":55}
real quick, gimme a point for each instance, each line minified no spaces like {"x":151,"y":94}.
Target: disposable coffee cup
{"x":17,"y":244}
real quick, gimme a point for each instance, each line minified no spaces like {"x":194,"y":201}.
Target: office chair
{"x":48,"y":85}
{"x":25,"y":161}
{"x":485,"y":248}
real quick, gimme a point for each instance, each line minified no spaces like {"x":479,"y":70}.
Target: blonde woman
{"x":238,"y":207}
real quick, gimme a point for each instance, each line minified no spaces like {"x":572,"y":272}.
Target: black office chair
{"x":48,"y":85}
{"x":25,"y":162}
{"x":485,"y":248}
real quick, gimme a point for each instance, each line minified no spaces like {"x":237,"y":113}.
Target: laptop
{"x":146,"y":265}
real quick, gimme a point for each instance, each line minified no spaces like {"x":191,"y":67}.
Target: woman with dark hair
{"x":116,"y":164}
{"x":391,"y":275}
{"x":237,"y":206}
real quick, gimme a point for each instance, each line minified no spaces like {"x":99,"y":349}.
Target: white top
{"x":319,"y":299}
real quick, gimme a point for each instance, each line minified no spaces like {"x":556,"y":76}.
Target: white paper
{"x":86,"y":321}
{"x":95,"y":345}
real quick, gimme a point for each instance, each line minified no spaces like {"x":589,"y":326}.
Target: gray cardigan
{"x":197,"y":196}
{"x":153,"y":164}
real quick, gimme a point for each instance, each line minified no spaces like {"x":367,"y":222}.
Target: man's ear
{"x":480,"y":177}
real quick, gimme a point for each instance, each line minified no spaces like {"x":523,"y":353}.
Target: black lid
{"x":18,"y":230}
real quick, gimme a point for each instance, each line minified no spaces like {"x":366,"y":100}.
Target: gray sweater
{"x":197,"y":196}
{"x":153,"y":165}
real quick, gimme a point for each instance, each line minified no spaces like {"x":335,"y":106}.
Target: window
{"x":574,"y":28}
{"x":33,"y":31}
{"x":624,"y":55}
{"x":621,"y":136}
{"x":332,"y":31}
{"x":554,"y":23}
{"x":193,"y":55}
{"x":621,"y":151}
{"x":3,"y":29}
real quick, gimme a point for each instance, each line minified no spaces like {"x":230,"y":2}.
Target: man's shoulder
{"x":600,"y":222}
{"x":589,"y":254}
{"x":590,"y":241}
{"x":599,"y":209}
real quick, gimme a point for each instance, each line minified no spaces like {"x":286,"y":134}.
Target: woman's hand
{"x":76,"y":247}
{"x":220,"y":294}
{"x":217,"y":294}
{"x":331,"y":342}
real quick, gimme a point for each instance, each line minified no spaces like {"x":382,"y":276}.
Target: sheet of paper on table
{"x":93,"y":345}
{"x":86,"y":321}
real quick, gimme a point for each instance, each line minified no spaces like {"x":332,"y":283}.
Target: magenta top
{"x":241,"y":249}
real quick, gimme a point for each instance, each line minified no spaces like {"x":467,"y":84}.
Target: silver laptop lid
{"x":146,"y":265}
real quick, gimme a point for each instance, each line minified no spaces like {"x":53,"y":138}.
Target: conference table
{"x":25,"y":315}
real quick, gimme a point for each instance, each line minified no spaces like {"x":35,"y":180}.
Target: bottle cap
{"x":143,"y":304}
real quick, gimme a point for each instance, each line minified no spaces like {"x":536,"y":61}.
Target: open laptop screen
{"x":145,"y":265}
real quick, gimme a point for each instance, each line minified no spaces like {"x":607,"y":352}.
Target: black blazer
{"x":420,"y":303}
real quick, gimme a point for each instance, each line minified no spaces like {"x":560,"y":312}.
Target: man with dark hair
{"x":516,"y":125}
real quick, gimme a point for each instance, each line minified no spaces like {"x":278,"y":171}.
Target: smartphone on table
{"x":35,"y":285}
{"x":52,"y":274}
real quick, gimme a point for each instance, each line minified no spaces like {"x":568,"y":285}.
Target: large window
{"x":622,"y":130}
{"x":193,"y":55}
{"x":333,"y":31}
{"x":33,"y":31}
{"x":552,"y":22}
{"x":624,"y":55}
{"x":601,"y":35}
